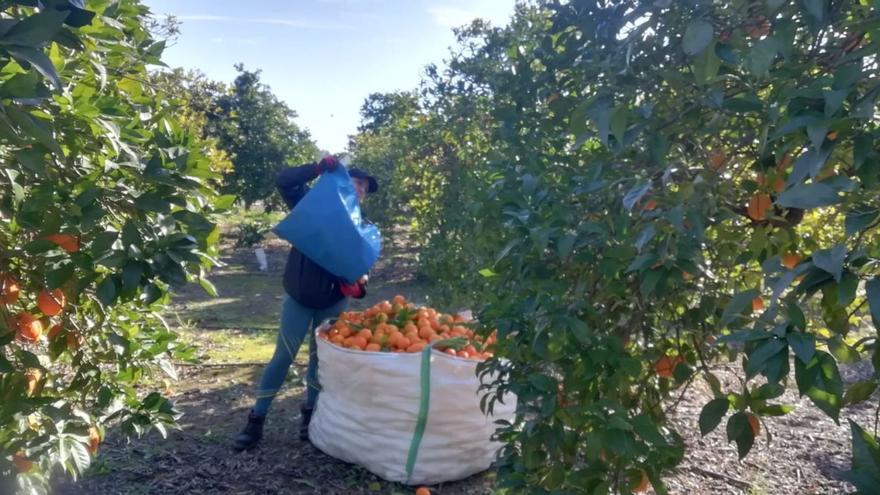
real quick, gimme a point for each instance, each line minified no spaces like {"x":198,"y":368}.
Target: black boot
{"x":252,"y":433}
{"x":306,"y":413}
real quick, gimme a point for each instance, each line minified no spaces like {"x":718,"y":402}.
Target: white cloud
{"x":452,"y":17}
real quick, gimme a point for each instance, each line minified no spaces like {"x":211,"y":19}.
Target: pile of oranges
{"x":399,"y":326}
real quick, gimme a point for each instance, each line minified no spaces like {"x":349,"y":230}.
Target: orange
{"x":22,"y":463}
{"x":32,"y":378}
{"x":417,"y":347}
{"x":426,"y":332}
{"x":754,"y":423}
{"x":791,"y":260}
{"x":403,"y":343}
{"x":365,"y":334}
{"x":665,"y":366}
{"x":337,"y":339}
{"x":451,"y":352}
{"x":358,"y":342}
{"x":29,"y":328}
{"x":66,"y":242}
{"x":464,"y":354}
{"x":644,"y":483}
{"x":757,"y":304}
{"x":345,"y":332}
{"x":399,"y":299}
{"x":9,"y":290}
{"x":51,"y":303}
{"x":410,"y":327}
{"x":373,"y":347}
{"x":94,"y":439}
{"x":422,"y":490}
{"x":759,"y":206}
{"x":716,"y":160}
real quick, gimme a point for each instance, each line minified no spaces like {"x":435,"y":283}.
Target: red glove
{"x":355,"y":290}
{"x":327,"y":164}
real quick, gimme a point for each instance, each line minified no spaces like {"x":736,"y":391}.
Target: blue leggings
{"x":296,"y":321}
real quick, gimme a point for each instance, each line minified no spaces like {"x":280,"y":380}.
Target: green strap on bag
{"x":425,"y":401}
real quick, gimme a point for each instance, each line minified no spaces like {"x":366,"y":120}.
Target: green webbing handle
{"x":425,"y":401}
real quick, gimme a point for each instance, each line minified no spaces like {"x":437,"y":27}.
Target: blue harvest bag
{"x":327,"y":227}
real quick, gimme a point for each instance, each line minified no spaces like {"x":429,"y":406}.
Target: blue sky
{"x":322,"y":57}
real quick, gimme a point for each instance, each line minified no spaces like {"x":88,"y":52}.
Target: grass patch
{"x":236,"y":346}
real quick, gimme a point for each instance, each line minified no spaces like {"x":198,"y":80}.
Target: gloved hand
{"x":355,"y":290}
{"x":327,"y":164}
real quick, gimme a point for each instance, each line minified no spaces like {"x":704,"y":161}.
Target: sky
{"x":322,"y":57}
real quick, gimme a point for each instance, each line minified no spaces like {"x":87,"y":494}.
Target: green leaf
{"x":872,"y":289}
{"x":803,"y":345}
{"x":859,"y":221}
{"x":759,"y":357}
{"x":40,"y":62}
{"x":768,"y":391}
{"x":618,"y":124}
{"x":796,"y":316}
{"x":488,"y":273}
{"x":697,"y":36}
{"x":842,"y":351}
{"x":820,"y":381}
{"x":59,"y":276}
{"x":32,"y":159}
{"x":543,"y":382}
{"x":208,"y":287}
{"x":25,"y":85}
{"x":865,"y":471}
{"x":106,"y":291}
{"x":762,"y":55}
{"x":35,"y":30}
{"x":34,"y":128}
{"x":740,"y":431}
{"x":224,"y":202}
{"x":131,"y":276}
{"x":774,"y":410}
{"x":847,"y":288}
{"x":737,"y":306}
{"x":806,"y":196}
{"x":580,"y":331}
{"x":153,"y":202}
{"x":859,"y":392}
{"x":712,"y":414}
{"x":831,"y":260}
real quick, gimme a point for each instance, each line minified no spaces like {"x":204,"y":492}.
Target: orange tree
{"x":649,"y":187}
{"x":105,"y":197}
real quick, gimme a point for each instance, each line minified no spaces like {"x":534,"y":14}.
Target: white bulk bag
{"x":368,"y":411}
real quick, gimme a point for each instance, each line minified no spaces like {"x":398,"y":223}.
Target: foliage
{"x":257,"y":130}
{"x":636,"y":182}
{"x":106,"y":193}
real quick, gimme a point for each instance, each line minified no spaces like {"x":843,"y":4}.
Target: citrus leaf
{"x":712,"y":414}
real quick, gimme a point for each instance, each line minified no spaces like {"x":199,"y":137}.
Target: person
{"x":312,"y":295}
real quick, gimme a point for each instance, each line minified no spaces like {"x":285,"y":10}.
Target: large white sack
{"x":368,"y":409}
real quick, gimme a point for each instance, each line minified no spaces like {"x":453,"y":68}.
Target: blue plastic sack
{"x":327,"y":227}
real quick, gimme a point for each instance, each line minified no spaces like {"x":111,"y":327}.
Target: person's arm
{"x":291,"y":181}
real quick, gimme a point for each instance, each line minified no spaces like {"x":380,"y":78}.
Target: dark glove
{"x":327,"y":164}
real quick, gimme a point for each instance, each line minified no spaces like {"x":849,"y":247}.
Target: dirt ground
{"x":235,"y":333}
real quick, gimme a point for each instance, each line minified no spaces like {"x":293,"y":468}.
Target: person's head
{"x":363,"y":183}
